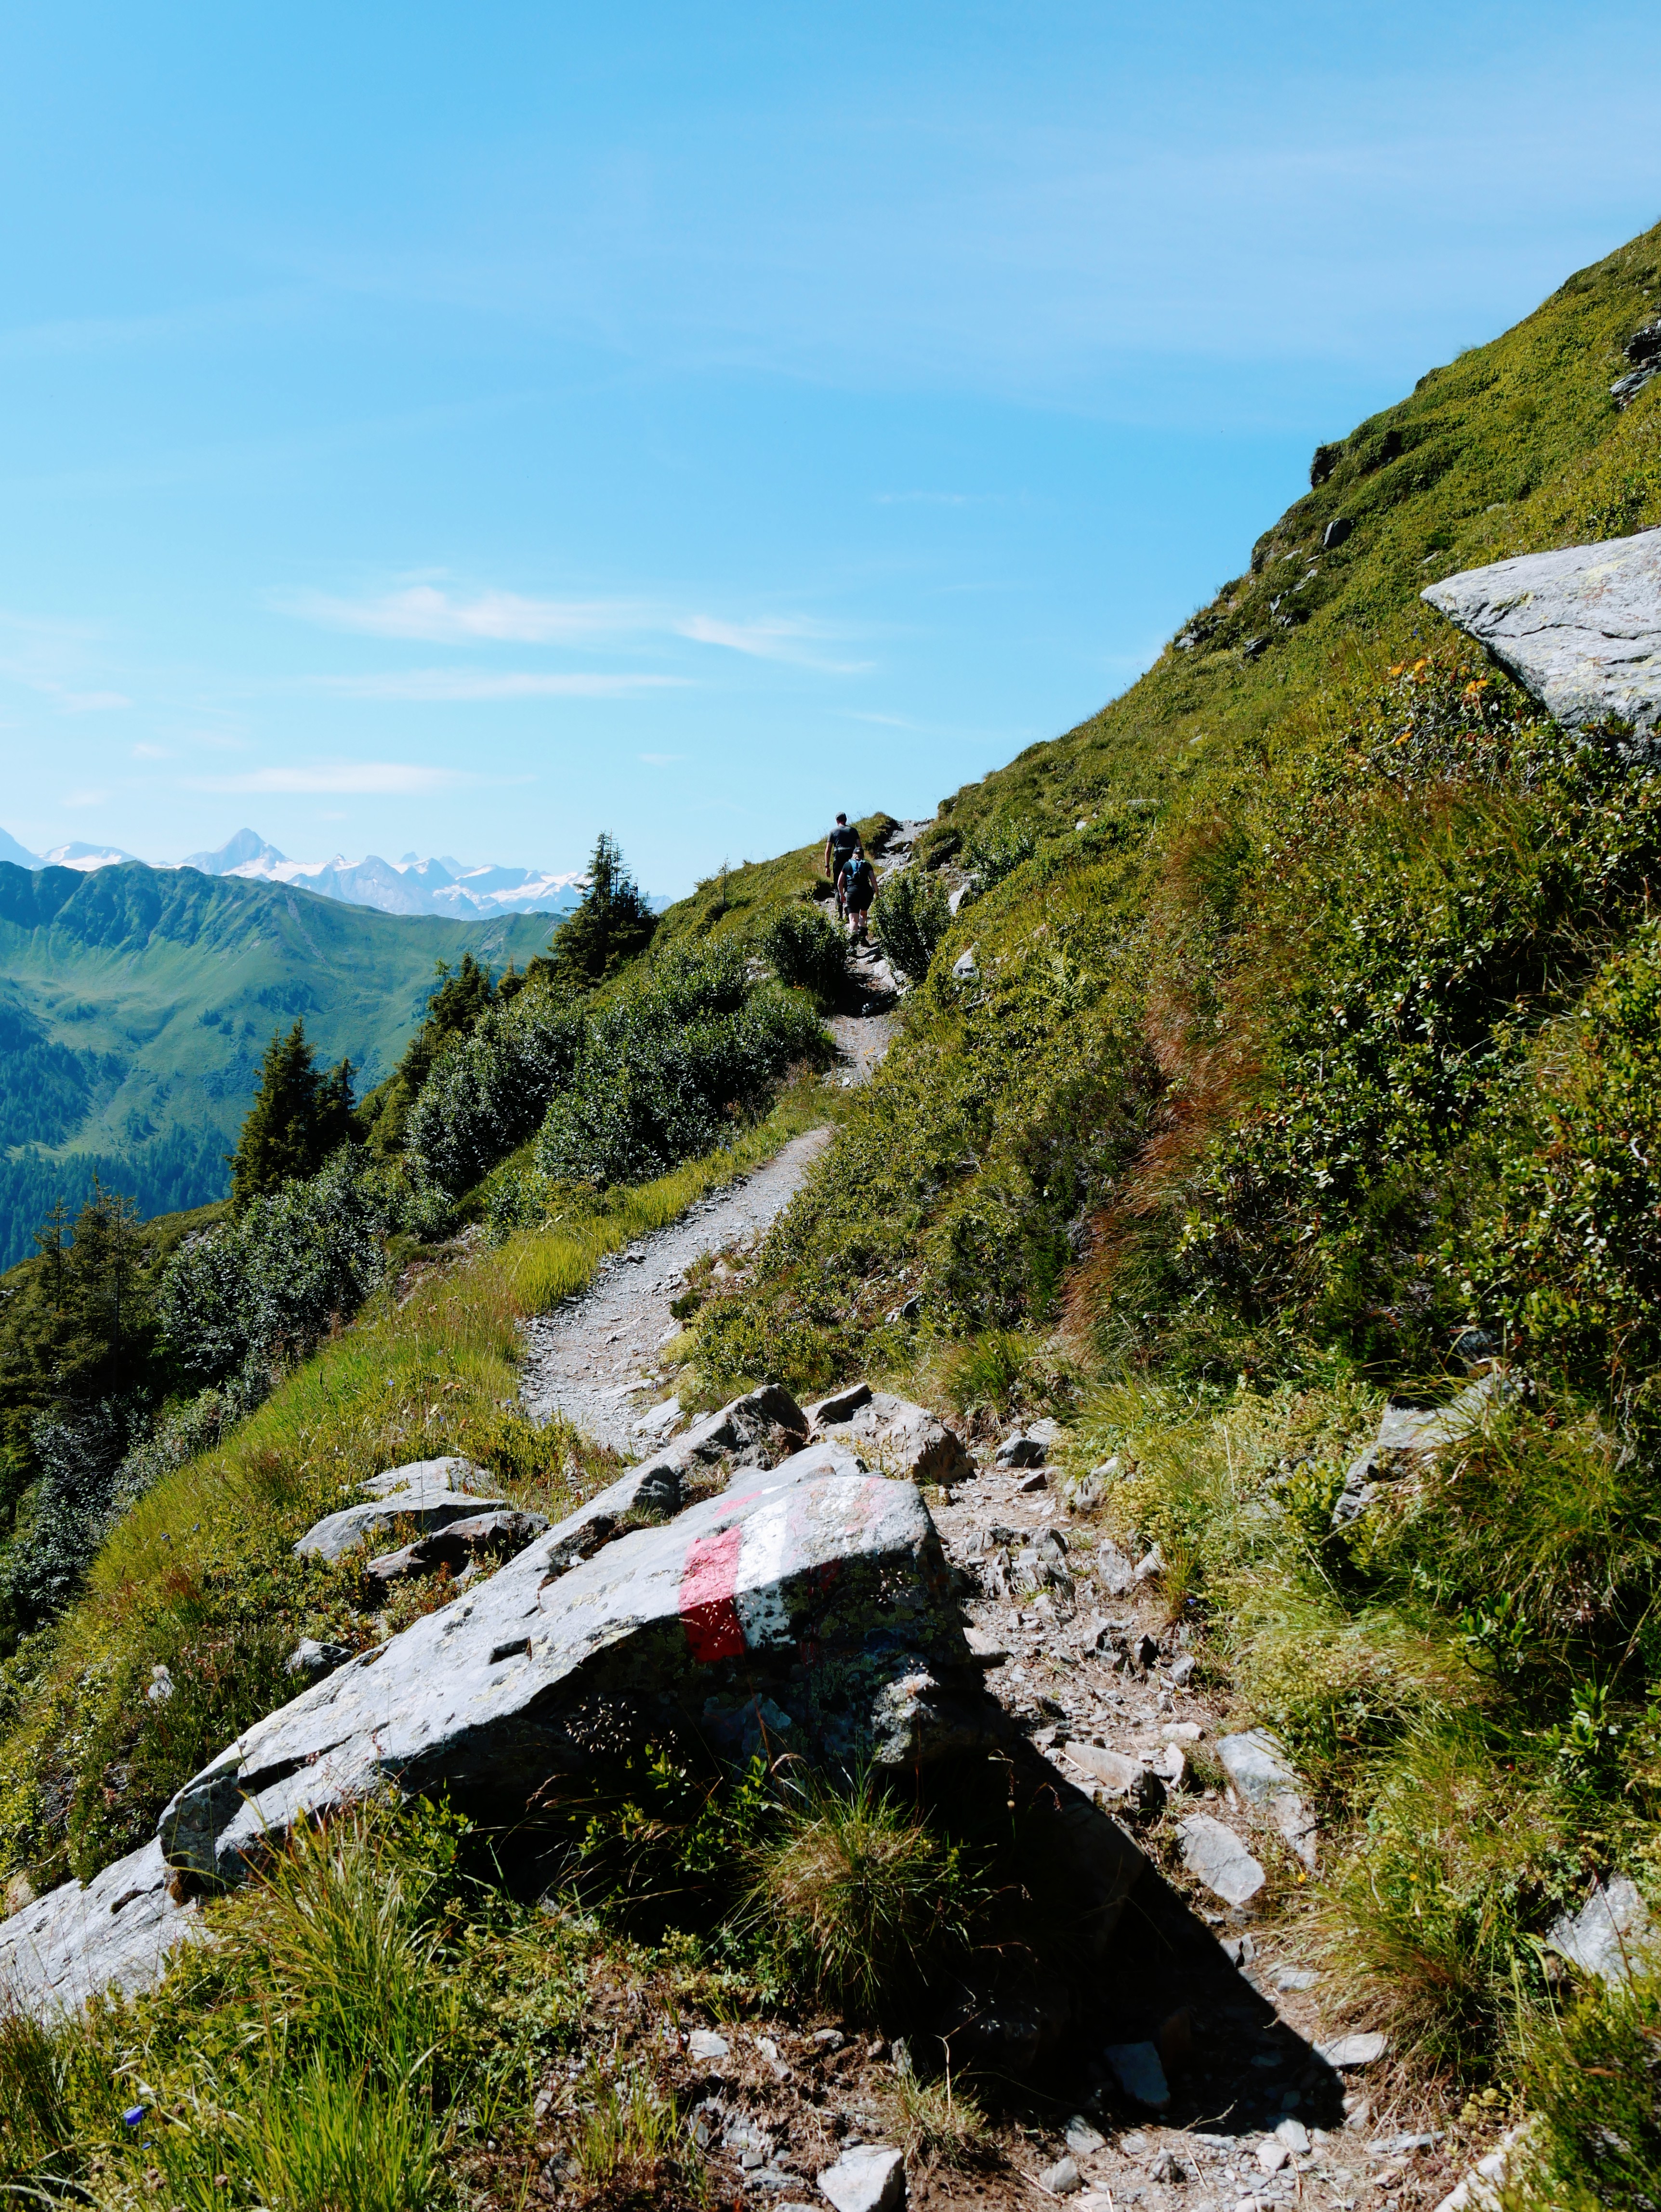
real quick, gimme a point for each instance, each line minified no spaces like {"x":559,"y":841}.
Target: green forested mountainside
{"x":135,"y":1004}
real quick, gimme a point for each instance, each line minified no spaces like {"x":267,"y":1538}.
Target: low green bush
{"x":687,"y":1051}
{"x":489,"y":1091}
{"x":913,"y":914}
{"x":806,"y":949}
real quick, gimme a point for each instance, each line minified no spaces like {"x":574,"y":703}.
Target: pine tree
{"x":298,"y":1117}
{"x":610,"y":927}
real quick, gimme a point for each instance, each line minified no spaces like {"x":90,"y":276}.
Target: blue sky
{"x":461,"y":429}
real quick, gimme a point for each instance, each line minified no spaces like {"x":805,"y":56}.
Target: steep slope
{"x":135,"y":1004}
{"x":1312,"y":1052}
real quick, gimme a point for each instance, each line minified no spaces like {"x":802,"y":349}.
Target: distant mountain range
{"x":445,"y":887}
{"x":135,"y":1002}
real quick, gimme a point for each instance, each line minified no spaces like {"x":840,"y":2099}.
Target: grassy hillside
{"x":1314,"y":1051}
{"x":135,"y":1004}
{"x":1307,"y":1048}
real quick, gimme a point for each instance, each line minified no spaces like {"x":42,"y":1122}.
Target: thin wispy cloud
{"x":776,"y":638}
{"x":426,"y":615}
{"x":450,"y":685}
{"x":337,"y":780}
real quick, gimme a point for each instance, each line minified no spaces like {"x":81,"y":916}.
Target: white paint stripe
{"x":760,"y":1605}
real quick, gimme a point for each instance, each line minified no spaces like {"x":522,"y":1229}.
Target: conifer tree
{"x":610,"y":927}
{"x":299,"y":1116}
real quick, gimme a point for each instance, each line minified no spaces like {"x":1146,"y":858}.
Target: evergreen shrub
{"x":488,"y":1092}
{"x":265,"y":1287}
{"x":914,"y":913}
{"x":684,"y":1053}
{"x":806,"y":948}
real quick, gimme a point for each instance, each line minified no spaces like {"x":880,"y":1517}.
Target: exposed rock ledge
{"x":1579,"y":629}
{"x":808,"y":1605}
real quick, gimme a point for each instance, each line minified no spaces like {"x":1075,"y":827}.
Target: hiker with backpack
{"x":858,"y":885}
{"x":840,"y":847}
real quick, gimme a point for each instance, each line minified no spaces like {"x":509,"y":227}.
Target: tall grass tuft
{"x":859,"y":1898}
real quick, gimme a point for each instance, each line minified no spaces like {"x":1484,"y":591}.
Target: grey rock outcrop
{"x":757,"y":1430}
{"x":1266,"y":1782}
{"x":901,"y":1438}
{"x":1611,"y":1935}
{"x":817,"y":1587}
{"x":458,"y":1546}
{"x":1215,"y":1855}
{"x":1579,"y":629}
{"x":116,"y":1931}
{"x":1643,"y":350}
{"x":430,"y":1493}
{"x":311,"y":1660}
{"x":1408,"y":1440}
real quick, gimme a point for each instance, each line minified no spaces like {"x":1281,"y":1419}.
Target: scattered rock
{"x":1409,"y":1439}
{"x":1021,"y":1449}
{"x":1609,"y":1935}
{"x":963,"y":966}
{"x":1139,"y":2072}
{"x":429,"y":1493}
{"x":1083,"y":2137}
{"x":1111,"y":1771}
{"x":1349,"y":2053}
{"x":1579,"y":629}
{"x":1294,"y":2135}
{"x":704,"y":2044}
{"x":313,"y":1660}
{"x":497,"y":1536}
{"x":1273,"y":2154}
{"x":1181,"y":1670}
{"x":159,"y":1689}
{"x":114,"y":1932}
{"x":1260,"y":1771}
{"x":1116,"y":1573}
{"x":902,"y":1438}
{"x":1294,"y":1977}
{"x":1335,"y":533}
{"x":1151,"y":1564}
{"x":869,"y":2179}
{"x":1035,"y":1481}
{"x":1061,"y":2179}
{"x":988,"y":1650}
{"x":816,"y":1586}
{"x":1215,"y":1855}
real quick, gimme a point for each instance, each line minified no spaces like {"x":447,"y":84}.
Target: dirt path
{"x":593,"y":1357}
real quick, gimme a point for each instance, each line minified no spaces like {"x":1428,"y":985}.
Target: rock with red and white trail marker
{"x":815,"y":1590}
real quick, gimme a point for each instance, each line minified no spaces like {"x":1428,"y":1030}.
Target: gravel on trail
{"x":593,"y":1358}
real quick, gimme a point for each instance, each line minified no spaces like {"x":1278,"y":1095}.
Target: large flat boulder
{"x":1579,"y":629}
{"x":116,"y":1931}
{"x":895,"y":1434}
{"x":817,"y":1590}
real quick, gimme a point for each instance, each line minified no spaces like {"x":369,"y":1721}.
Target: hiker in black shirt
{"x":840,"y":848}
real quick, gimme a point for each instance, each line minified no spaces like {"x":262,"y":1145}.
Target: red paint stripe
{"x":707,"y":1610}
